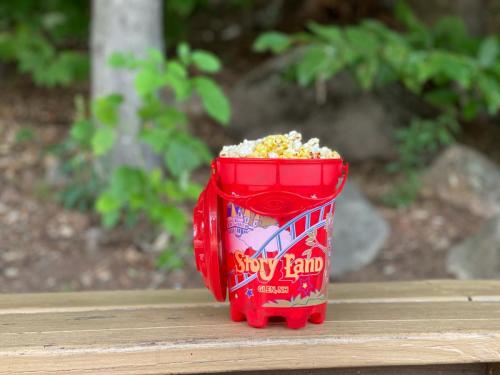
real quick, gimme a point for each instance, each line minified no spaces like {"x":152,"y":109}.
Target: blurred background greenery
{"x":112,"y":110}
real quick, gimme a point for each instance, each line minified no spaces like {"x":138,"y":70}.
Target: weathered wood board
{"x":166,"y":331}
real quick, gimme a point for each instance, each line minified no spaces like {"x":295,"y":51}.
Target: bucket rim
{"x":279,"y":160}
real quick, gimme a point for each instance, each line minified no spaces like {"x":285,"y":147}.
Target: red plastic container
{"x":262,"y":230}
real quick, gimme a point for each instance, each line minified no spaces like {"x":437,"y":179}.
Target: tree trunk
{"x":124,"y":26}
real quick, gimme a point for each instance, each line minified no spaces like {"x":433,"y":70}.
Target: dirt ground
{"x":44,"y":247}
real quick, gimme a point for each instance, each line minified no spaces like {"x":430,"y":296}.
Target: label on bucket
{"x":275,"y":265}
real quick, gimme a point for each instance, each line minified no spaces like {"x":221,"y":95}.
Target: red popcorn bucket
{"x":262,"y":230}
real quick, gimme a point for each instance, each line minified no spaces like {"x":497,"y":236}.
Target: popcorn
{"x":280,"y":146}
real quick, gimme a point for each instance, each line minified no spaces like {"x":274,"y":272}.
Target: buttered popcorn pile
{"x":287,"y":146}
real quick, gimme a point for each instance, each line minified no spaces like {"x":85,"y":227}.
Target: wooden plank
{"x":462,"y":369}
{"x":207,"y":316}
{"x":390,"y":292}
{"x":142,"y":333}
{"x":278,"y":355}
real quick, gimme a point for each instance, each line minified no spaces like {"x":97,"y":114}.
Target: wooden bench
{"x":426,"y":327}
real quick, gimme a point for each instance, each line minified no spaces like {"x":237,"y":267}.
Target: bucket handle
{"x":242,"y":199}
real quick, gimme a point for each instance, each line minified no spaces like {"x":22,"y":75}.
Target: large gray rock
{"x":465,"y":178}
{"x":359,"y":232}
{"x":359,"y":125}
{"x":478,"y":257}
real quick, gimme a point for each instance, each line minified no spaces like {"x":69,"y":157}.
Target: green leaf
{"x":156,"y":137}
{"x":82,"y":131}
{"x":122,"y":60}
{"x":488,"y":52}
{"x":328,"y":33}
{"x":110,"y":219}
{"x":363,"y":41}
{"x":193,"y":190}
{"x":106,"y":203}
{"x":174,"y":221}
{"x":441,"y":97}
{"x":313,"y":62}
{"x":213,"y":99}
{"x":451,"y":66}
{"x":109,"y":208}
{"x":405,"y":15}
{"x":206,"y":61}
{"x":491,"y":91}
{"x":147,"y":82}
{"x":184,"y":53}
{"x":172,"y":117}
{"x":103,"y":140}
{"x":105,"y":109}
{"x":175,"y":68}
{"x":129,"y":184}
{"x":470,"y":110}
{"x":272,"y":41}
{"x":450,"y":33}
{"x":180,"y":85}
{"x":155,"y":56}
{"x":169,"y":260}
{"x":173,"y":191}
{"x":180,"y":157}
{"x":365,"y":73}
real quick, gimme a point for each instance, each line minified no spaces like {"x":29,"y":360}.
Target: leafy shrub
{"x":81,"y":183}
{"x":157,"y":194}
{"x":456,"y":74}
{"x":36,"y":35}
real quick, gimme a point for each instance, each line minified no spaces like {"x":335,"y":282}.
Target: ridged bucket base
{"x":294,"y":318}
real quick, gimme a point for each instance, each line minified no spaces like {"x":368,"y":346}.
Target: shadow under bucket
{"x":262,"y":230}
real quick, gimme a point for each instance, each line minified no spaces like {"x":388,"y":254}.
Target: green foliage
{"x":25,"y":135}
{"x":423,"y":137}
{"x":456,"y":74}
{"x":82,"y":184}
{"x":36,"y":36}
{"x":273,"y":41}
{"x":213,"y":99}
{"x":158,"y":195}
{"x":404,"y":192}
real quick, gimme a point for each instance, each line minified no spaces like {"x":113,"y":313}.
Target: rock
{"x":359,"y":232}
{"x":478,"y":257}
{"x":359,"y":125}
{"x":463,"y":177}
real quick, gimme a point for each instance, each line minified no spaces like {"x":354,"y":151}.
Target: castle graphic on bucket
{"x":269,"y":239}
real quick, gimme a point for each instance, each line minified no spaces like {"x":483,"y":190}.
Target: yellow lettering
{"x":309,"y":265}
{"x":318,"y":264}
{"x":254,"y":264}
{"x":289,"y":258}
{"x":271,"y":263}
{"x":240,"y":263}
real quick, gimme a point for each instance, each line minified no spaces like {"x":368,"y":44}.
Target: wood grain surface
{"x":424,"y":323}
